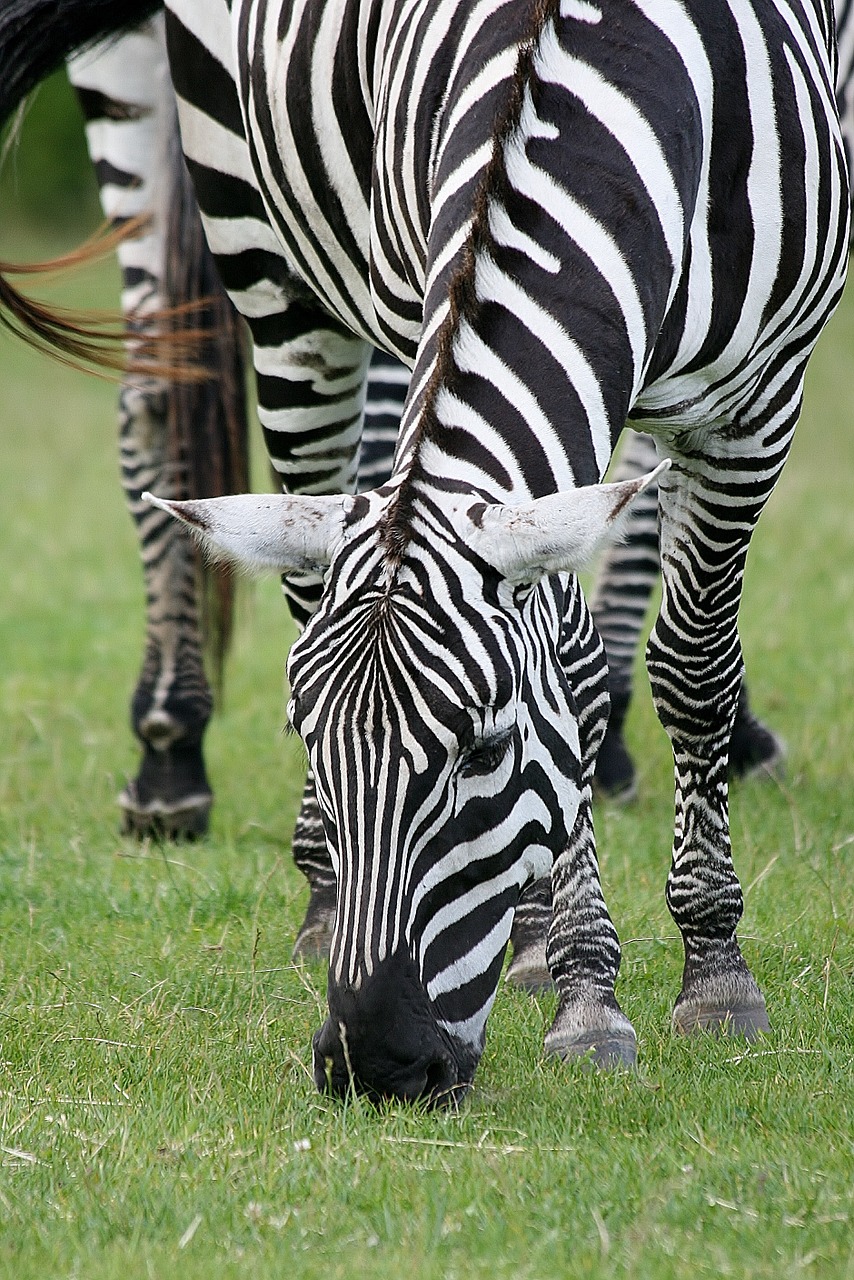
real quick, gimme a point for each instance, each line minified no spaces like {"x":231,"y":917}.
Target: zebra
{"x":628,"y":571}
{"x":180,"y":439}
{"x":561,"y":219}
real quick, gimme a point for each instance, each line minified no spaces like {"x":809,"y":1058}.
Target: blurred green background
{"x":46,"y":180}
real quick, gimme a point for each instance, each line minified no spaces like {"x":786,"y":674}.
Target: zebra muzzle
{"x":382,"y":1041}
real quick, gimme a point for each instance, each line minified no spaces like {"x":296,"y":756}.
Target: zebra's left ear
{"x":260,"y":531}
{"x":556,"y":534}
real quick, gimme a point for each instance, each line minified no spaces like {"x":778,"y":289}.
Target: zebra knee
{"x":695,"y":696}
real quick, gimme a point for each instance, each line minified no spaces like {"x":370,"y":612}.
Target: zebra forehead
{"x":381,"y":672}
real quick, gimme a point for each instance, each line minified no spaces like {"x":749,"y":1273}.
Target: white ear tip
{"x":154,"y":501}
{"x":663,"y":466}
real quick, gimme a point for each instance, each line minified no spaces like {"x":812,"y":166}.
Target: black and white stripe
{"x":166,"y":439}
{"x":628,"y":572}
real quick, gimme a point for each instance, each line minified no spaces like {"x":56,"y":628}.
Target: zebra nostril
{"x":441,"y":1085}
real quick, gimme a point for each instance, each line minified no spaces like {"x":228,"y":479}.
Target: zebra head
{"x":441,"y":729}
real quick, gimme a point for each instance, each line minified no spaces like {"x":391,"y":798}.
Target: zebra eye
{"x":487,"y":755}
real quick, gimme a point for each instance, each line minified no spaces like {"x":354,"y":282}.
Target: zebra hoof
{"x":594,"y":1028}
{"x":747,"y":1020}
{"x":315,"y":936}
{"x":602,"y":1049}
{"x":186,"y":819}
{"x":615,"y":777}
{"x":529,"y":972}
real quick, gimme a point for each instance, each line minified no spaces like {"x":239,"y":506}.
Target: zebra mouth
{"x":433,"y":1078}
{"x":382,"y":1040}
{"x":434,"y":1085}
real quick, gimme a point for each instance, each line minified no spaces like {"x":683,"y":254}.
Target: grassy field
{"x":157,"y":1115}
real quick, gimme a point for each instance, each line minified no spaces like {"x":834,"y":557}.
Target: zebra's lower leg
{"x":172,"y":703}
{"x":529,"y":967}
{"x":626,"y":577}
{"x":312,"y":858}
{"x":695,"y":668}
{"x":583,"y":951}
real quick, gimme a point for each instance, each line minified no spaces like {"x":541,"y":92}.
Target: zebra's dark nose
{"x":382,"y":1039}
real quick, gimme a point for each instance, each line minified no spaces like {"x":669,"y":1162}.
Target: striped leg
{"x":583,"y":951}
{"x":709,"y":506}
{"x":627,"y":575}
{"x":177,"y":441}
{"x":625,"y":580}
{"x":388,"y":382}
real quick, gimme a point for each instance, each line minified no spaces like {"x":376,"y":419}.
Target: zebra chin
{"x":382,"y":1040}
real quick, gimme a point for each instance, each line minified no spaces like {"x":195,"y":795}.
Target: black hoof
{"x":185,"y":819}
{"x":745,"y":1020}
{"x":754,"y":750}
{"x":615,"y":778}
{"x":170,"y":798}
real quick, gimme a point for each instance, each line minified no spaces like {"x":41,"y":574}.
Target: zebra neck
{"x":535,"y":332}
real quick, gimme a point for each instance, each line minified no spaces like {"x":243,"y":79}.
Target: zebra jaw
{"x":557,"y":534}
{"x":280,"y":532}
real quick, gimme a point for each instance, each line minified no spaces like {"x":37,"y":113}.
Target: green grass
{"x":157,"y":1116}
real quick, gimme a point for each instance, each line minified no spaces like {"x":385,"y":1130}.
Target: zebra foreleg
{"x":583,"y":950}
{"x":695,"y":668}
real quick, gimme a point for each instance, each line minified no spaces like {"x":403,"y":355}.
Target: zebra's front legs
{"x":695,"y":669}
{"x":583,"y":950}
{"x":704,"y":896}
{"x":583,"y":954}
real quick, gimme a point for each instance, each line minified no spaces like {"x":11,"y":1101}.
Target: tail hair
{"x":207,"y":421}
{"x":36,"y":37}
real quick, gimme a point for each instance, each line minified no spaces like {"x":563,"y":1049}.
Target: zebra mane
{"x":462,"y":298}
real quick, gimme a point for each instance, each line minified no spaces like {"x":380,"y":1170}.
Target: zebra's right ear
{"x":559,"y":533}
{"x":287,"y":533}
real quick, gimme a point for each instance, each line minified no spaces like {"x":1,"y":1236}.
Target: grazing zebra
{"x":183,"y":440}
{"x":561,"y":218}
{"x":628,"y":572}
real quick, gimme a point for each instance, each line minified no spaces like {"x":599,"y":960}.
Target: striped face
{"x":439,"y":726}
{"x":442,"y":733}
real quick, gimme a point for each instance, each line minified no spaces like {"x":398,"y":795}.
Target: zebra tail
{"x":207,"y":421}
{"x":36,"y":36}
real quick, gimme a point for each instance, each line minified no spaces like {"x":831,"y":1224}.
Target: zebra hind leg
{"x":626,"y":577}
{"x":529,"y":969}
{"x":170,"y":797}
{"x":177,"y":440}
